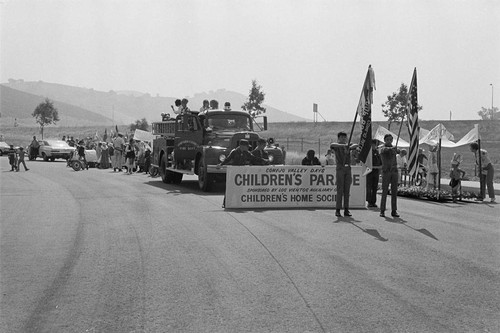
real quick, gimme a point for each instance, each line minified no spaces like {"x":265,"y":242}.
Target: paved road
{"x":97,"y":251}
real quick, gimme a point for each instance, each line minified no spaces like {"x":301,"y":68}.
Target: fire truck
{"x":193,"y":144}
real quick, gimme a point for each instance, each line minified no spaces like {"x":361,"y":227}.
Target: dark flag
{"x":365,"y":115}
{"x":105,"y":136}
{"x":413,"y":127}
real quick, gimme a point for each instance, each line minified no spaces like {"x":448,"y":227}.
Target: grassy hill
{"x":15,"y":104}
{"x":126,"y":107}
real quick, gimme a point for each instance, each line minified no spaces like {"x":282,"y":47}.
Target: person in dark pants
{"x":372,"y":177}
{"x":343,"y":172}
{"x":147,"y":159}
{"x":21,"y":155}
{"x":80,"y":149}
{"x":389,"y":176}
{"x":487,"y":172}
{"x":12,"y":158}
{"x":34,"y":149}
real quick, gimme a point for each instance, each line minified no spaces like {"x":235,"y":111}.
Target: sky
{"x":300,"y":51}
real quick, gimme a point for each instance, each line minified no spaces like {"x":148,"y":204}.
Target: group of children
{"x":181,"y":107}
{"x":16,"y":158}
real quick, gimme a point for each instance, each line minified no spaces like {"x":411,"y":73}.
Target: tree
{"x":255,"y":99}
{"x":140,"y":124}
{"x":45,"y":114}
{"x":395,"y":106}
{"x":489,"y":114}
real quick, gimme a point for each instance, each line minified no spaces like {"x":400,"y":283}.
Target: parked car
{"x":52,"y":149}
{"x":3,"y":147}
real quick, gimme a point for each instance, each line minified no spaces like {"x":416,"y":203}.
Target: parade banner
{"x":141,"y":135}
{"x":289,"y":186}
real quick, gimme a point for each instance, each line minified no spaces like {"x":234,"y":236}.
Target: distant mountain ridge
{"x":125,"y":107}
{"x":17,"y":106}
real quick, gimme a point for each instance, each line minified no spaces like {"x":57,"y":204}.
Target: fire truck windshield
{"x":232,"y":122}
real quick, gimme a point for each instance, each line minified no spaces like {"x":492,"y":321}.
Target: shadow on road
{"x":399,"y":220}
{"x":263,"y":210}
{"x":187,"y":186}
{"x":371,"y":232}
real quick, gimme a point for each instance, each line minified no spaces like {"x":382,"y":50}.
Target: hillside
{"x":127,"y":106}
{"x":15,"y":104}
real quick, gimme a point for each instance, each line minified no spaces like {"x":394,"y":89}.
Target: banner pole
{"x":399,"y":132}
{"x":480,"y":167}
{"x":352,"y":128}
{"x":439,"y":168}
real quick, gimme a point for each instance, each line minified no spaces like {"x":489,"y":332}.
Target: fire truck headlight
{"x":271,"y":158}
{"x":222,"y":158}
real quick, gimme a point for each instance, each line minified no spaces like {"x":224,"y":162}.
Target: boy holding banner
{"x":389,"y":175}
{"x":343,"y":172}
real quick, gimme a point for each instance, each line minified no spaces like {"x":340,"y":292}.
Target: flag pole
{"x":352,"y":128}
{"x":480,"y":166}
{"x":399,"y":132}
{"x":439,"y":168}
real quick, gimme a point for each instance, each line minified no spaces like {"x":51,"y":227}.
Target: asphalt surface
{"x":97,"y":251}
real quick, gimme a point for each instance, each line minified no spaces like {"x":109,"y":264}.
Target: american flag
{"x":413,"y":127}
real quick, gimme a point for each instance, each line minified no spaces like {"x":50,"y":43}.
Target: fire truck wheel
{"x":205,"y":179}
{"x":166,"y":176}
{"x":176,"y":177}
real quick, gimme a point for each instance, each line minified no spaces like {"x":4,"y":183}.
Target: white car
{"x":52,"y":149}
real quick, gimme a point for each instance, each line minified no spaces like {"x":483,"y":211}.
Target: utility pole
{"x":492,"y":113}
{"x":315,"y":113}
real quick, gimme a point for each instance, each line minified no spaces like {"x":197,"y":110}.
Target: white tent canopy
{"x":470,"y":137}
{"x":432,"y":137}
{"x":382,"y":131}
{"x":439,"y":131}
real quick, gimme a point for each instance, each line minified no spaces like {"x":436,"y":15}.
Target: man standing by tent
{"x":487,"y":172}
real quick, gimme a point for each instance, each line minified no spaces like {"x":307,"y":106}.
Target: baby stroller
{"x":421,"y":179}
{"x":76,"y":162}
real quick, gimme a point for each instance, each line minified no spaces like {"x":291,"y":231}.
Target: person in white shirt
{"x":206,"y":106}
{"x":402,"y":162}
{"x":119,"y":145}
{"x":178,"y":107}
